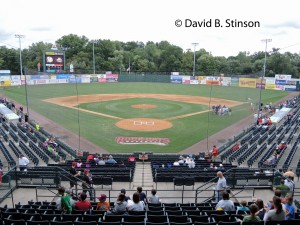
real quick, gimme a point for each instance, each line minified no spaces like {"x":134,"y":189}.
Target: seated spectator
{"x":153,"y":198}
{"x":272,"y":160}
{"x":124,"y":192}
{"x":176,"y":163}
{"x":252,"y":218}
{"x":181,"y":160}
{"x":289,"y":208}
{"x":88,"y":164}
{"x":135,"y":204}
{"x":120,"y":205}
{"x":192,"y":164}
{"x":282,"y":145}
{"x":89,"y":157}
{"x":102,"y":204}
{"x":143,"y":196}
{"x":225,"y":204}
{"x":101,"y":162}
{"x":83,"y":204}
{"x":221,"y":168}
{"x":261,"y":209}
{"x":111,"y":160}
{"x":131,"y":158}
{"x":243,"y":207}
{"x":289,"y":181}
{"x":79,"y":163}
{"x":277,"y":213}
{"x":235,"y":147}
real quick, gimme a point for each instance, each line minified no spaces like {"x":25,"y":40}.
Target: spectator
{"x":252,"y":218}
{"x":131,"y":158}
{"x":79,"y":163}
{"x":37,"y":127}
{"x":282,"y":145}
{"x":221,"y":186}
{"x":26,"y":118}
{"x":23,"y":163}
{"x":120,"y":205}
{"x":88,"y":164}
{"x":289,"y":208}
{"x":215,"y":153}
{"x":65,"y":200}
{"x":261,"y":209}
{"x":221,"y":168}
{"x":74,"y":174}
{"x":142,"y":195}
{"x":243,"y":207}
{"x":135,"y":204}
{"x":277,"y":213}
{"x":101,"y":162}
{"x":111,"y":160}
{"x":225,"y":204}
{"x":176,"y":163}
{"x":153,"y":199}
{"x":90,"y":157}
{"x":289,"y":181}
{"x":102,"y":204}
{"x":83,"y":204}
{"x":123,"y":191}
{"x":87,"y":184}
{"x":283,"y":188}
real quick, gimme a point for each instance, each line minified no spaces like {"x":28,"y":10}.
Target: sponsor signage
{"x":142,"y":140}
{"x":247,"y":82}
{"x":280,"y":82}
{"x":176,"y":79}
{"x":283,"y":77}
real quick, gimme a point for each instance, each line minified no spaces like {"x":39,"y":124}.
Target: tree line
{"x":162,"y":57}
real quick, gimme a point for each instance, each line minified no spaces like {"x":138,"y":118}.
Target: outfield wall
{"x":279,"y":82}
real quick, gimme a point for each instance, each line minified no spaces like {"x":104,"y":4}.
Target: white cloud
{"x":145,"y":20}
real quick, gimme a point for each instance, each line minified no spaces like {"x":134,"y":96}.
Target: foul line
{"x":96,"y":113}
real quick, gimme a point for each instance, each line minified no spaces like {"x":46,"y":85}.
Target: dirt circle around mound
{"x":143,"y":124}
{"x":143,"y":106}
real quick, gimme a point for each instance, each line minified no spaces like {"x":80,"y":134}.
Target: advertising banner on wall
{"x":202,"y":79}
{"x":5,"y":83}
{"x":270,"y":80}
{"x":74,"y":79}
{"x":280,"y":82}
{"x":283,"y":77}
{"x":279,"y":87}
{"x":247,"y":82}
{"x":213,"y":81}
{"x":176,"y":79}
{"x":112,"y":78}
{"x":94,"y":79}
{"x":235,"y":81}
{"x":226,"y":81}
{"x":270,"y":86}
{"x":290,"y":88}
{"x":298,"y":86}
{"x":62,"y":76}
{"x":15,"y":80}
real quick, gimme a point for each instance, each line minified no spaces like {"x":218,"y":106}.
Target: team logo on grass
{"x":142,"y":140}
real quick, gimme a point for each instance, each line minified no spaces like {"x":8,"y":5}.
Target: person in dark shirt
{"x":123,"y":191}
{"x":26,"y":118}
{"x":143,"y":196}
{"x":74,"y":174}
{"x":87,"y":183}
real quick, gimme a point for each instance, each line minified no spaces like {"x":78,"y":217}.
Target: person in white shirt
{"x":135,"y":204}
{"x":23,"y":162}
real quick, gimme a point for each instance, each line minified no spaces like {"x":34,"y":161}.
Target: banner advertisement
{"x":41,"y":81}
{"x":193,"y":77}
{"x":291,"y":82}
{"x":74,"y":79}
{"x":102,"y":80}
{"x":53,"y":81}
{"x":176,"y":79}
{"x":298,"y":86}
{"x":247,"y":82}
{"x":280,"y":82}
{"x":235,"y":81}
{"x":282,"y":77}
{"x":290,"y":88}
{"x":226,"y":81}
{"x":186,"y":79}
{"x":5,"y":83}
{"x":194,"y":82}
{"x":279,"y":87}
{"x":270,"y":86}
{"x":270,"y":80}
{"x":259,"y":85}
{"x":15,"y":81}
{"x":94,"y":79}
{"x":85,"y":80}
{"x":62,"y":76}
{"x":62,"y":81}
{"x":112,"y":77}
{"x":202,"y":79}
{"x":213,"y":81}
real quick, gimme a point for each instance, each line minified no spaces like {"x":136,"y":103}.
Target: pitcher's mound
{"x":143,"y":106}
{"x":144,"y":124}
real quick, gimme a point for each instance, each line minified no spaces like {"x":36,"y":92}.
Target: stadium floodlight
{"x":21,"y":67}
{"x":94,"y":67}
{"x":194,"y":67}
{"x":266,"y":41}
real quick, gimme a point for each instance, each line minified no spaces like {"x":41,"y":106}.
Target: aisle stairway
{"x":142,"y":176}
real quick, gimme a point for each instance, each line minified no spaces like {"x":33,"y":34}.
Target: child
{"x":252,"y":218}
{"x":153,"y":199}
{"x":243,"y":207}
{"x":289,"y":208}
{"x":103,"y":205}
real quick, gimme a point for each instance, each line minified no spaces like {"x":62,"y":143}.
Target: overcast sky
{"x":145,"y":20}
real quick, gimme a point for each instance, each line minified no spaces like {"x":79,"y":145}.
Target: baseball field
{"x":128,"y":117}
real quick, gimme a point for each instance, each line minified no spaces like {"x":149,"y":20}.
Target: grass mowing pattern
{"x":102,"y":131}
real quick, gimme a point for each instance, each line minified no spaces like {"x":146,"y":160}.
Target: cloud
{"x":5,"y":35}
{"x":40,"y":29}
{"x":287,"y":24}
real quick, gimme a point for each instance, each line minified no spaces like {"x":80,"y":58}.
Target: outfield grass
{"x":102,"y":130}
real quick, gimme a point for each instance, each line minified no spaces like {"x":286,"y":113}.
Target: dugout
{"x":9,"y":115}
